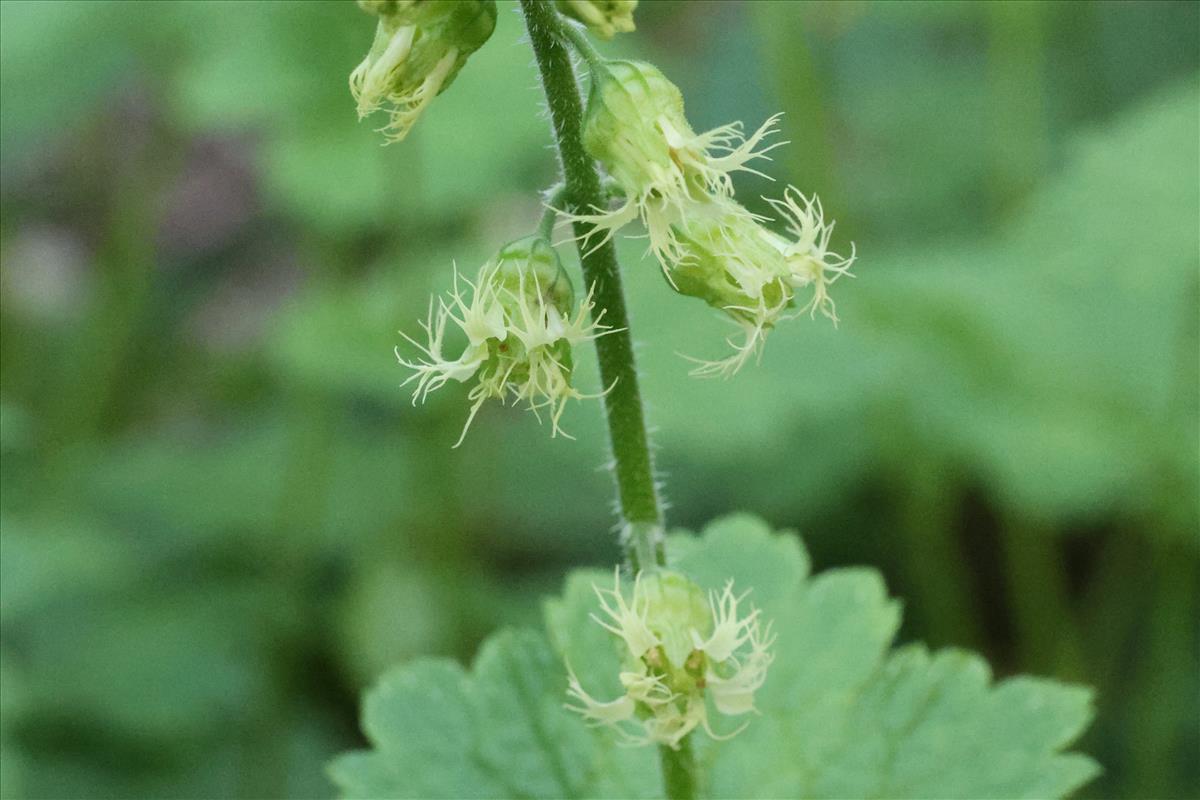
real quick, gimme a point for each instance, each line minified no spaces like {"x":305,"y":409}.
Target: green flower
{"x":681,"y":649}
{"x":668,"y":174}
{"x":729,"y":259}
{"x":521,"y":324}
{"x":419,"y":47}
{"x":679,"y":184}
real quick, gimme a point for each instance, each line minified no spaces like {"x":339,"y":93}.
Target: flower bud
{"x":419,"y":47}
{"x":602,"y":17}
{"x":635,"y":126}
{"x":680,"y":647}
{"x":521,"y":324}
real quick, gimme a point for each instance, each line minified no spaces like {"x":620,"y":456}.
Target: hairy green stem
{"x":632,"y":461}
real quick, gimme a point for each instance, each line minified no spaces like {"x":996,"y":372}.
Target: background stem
{"x":939,"y":584}
{"x":1047,"y":637}
{"x":632,"y":462}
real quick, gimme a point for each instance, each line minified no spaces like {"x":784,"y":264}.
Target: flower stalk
{"x":632,"y":460}
{"x":633,"y":463}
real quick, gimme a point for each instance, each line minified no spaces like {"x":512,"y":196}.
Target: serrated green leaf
{"x":500,"y":731}
{"x":842,"y":713}
{"x":420,"y":718}
{"x":588,"y":650}
{"x":743,"y":548}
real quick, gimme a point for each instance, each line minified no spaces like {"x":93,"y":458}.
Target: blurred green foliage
{"x":221,"y":519}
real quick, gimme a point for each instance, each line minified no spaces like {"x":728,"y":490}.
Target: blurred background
{"x":221,"y":518}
